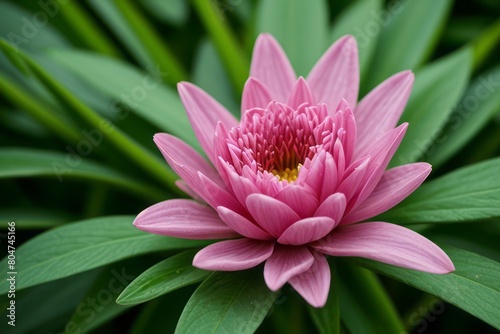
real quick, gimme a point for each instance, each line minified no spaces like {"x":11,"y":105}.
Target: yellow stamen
{"x":288,"y":174}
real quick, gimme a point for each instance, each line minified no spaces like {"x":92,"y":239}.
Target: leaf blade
{"x":410,"y":32}
{"x":84,"y":245}
{"x":300,"y":27}
{"x":235,"y":302}
{"x":473,"y":287}
{"x":479,"y":103}
{"x":438,"y":87}
{"x":467,"y":194}
{"x":165,"y":276}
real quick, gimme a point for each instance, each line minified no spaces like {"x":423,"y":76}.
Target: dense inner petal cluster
{"x":278,"y":140}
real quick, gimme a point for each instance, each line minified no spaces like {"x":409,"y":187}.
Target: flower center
{"x":277,"y":140}
{"x":287,"y":174}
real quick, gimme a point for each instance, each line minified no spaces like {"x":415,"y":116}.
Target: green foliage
{"x":467,"y":194}
{"x":85,"y":245}
{"x":300,"y":27}
{"x":164,"y":277}
{"x":474,"y":286}
{"x":103,"y":73}
{"x":227,"y":303}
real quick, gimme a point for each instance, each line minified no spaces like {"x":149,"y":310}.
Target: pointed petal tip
{"x":183,"y":86}
{"x":407,"y":74}
{"x":350,"y":45}
{"x":265,"y":37}
{"x":344,"y":105}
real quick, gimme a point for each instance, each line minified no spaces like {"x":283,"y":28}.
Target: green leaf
{"x":160,"y":316}
{"x":152,"y":101}
{"x":111,"y":16}
{"x":82,"y":24}
{"x":227,"y":302}
{"x":360,"y":20}
{"x":467,"y":194}
{"x":224,"y":40}
{"x":327,"y":318}
{"x":410,"y":32}
{"x":46,"y":308}
{"x":484,"y":44}
{"x":77,"y":247}
{"x":33,"y":217}
{"x":301,"y":27}
{"x":162,"y":278}
{"x":125,"y":144}
{"x":354,"y":315}
{"x":172,"y":11}
{"x":150,"y":40}
{"x":481,"y":239}
{"x":438,"y":87}
{"x":21,"y":162}
{"x":365,"y":306}
{"x":98,"y":305}
{"x":24,"y":100}
{"x":19,"y":29}
{"x":474,"y":286}
{"x":207,"y":67}
{"x":479,"y":104}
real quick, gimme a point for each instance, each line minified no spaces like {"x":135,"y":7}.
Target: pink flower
{"x":297,"y":177}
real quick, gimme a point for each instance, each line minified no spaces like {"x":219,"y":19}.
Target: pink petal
{"x":310,"y":173}
{"x":216,"y":195}
{"x":255,"y":95}
{"x":394,"y":186}
{"x":182,"y":218}
{"x":272,"y":215}
{"x":330,"y":178}
{"x":302,"y":200}
{"x":242,"y":187}
{"x":336,"y":74}
{"x":388,"y":243}
{"x":271,"y":66}
{"x":204,"y":112}
{"x":307,"y":230}
{"x":233,"y":255}
{"x":190,"y":192}
{"x":242,"y":225}
{"x":185,"y":161}
{"x":353,"y":177}
{"x":301,"y":93}
{"x":285,"y":263}
{"x":332,"y":207}
{"x":344,"y":119}
{"x":380,"y":110}
{"x":382,"y":152}
{"x":314,"y":284}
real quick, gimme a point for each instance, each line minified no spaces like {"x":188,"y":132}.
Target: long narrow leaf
{"x":21,"y":162}
{"x":84,"y":245}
